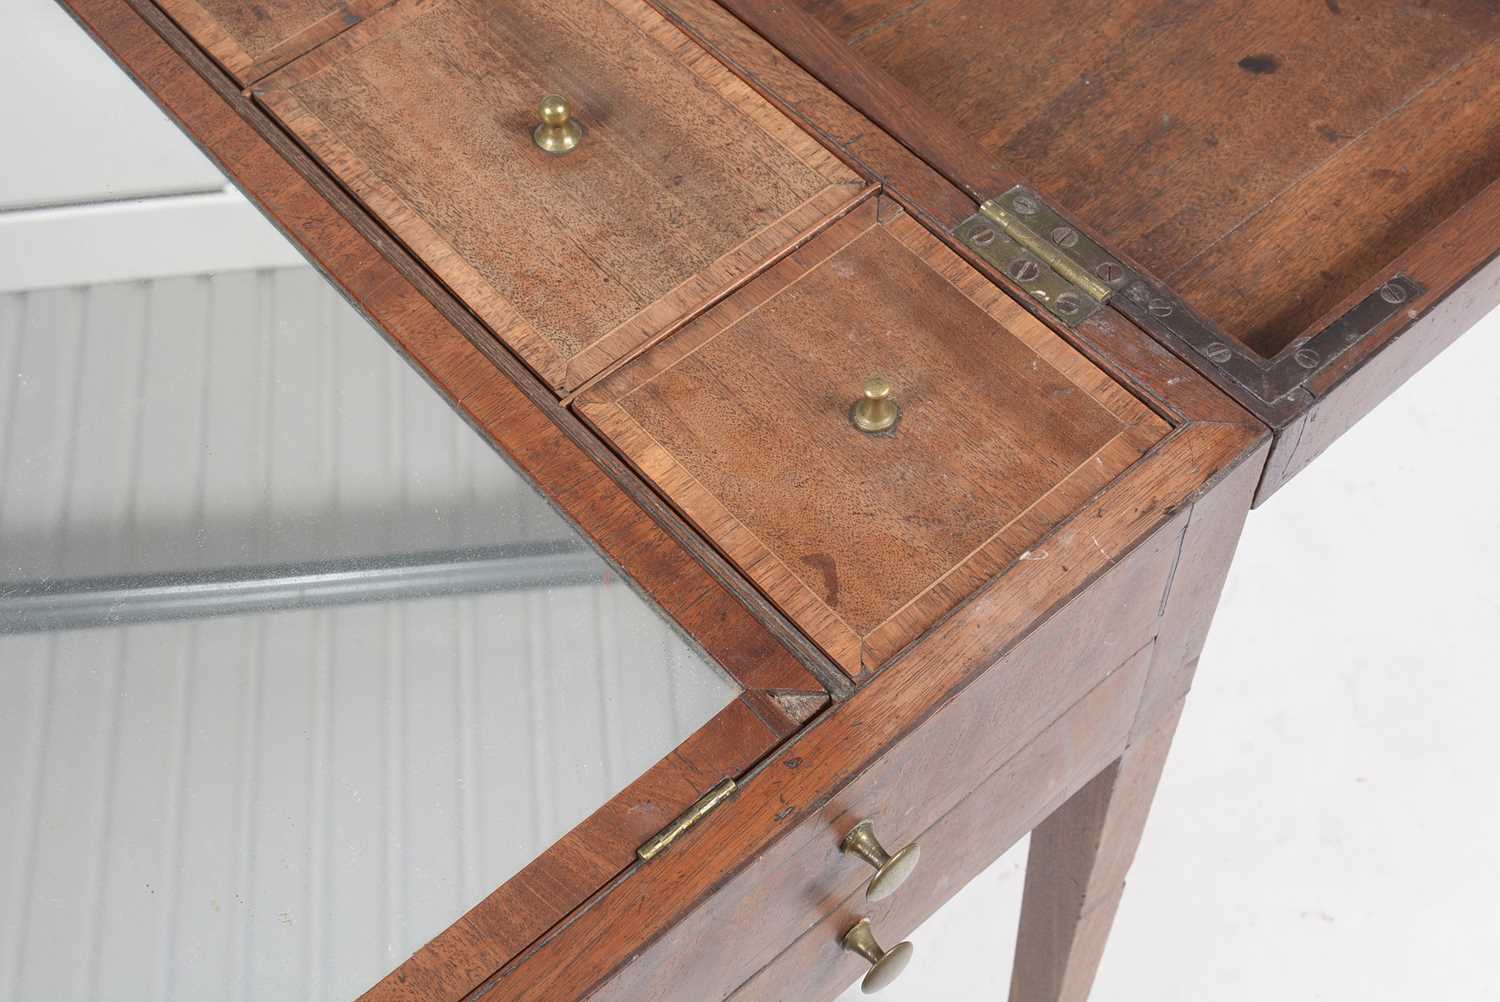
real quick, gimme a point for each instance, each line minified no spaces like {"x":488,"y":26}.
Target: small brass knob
{"x":875,"y":411}
{"x":891,"y":871}
{"x":559,"y":132}
{"x":885,"y":965}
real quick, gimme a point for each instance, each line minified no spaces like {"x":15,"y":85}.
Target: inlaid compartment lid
{"x":251,"y":39}
{"x":685,"y":184}
{"x":743,"y":420}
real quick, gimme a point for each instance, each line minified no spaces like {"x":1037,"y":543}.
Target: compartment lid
{"x":684,"y":184}
{"x":743,"y":420}
{"x":251,"y":39}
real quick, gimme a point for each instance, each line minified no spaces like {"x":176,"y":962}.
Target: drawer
{"x":251,"y":39}
{"x":953,"y":850}
{"x":745,"y":420}
{"x":802,"y":884}
{"x":683,"y":183}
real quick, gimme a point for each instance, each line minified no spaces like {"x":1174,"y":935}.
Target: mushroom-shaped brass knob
{"x":886,"y":965}
{"x":891,"y":871}
{"x":559,"y":132}
{"x":875,"y":411}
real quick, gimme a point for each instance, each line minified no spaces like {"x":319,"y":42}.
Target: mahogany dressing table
{"x":908,"y":370}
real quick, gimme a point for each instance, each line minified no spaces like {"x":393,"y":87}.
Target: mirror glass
{"x":294,"y":667}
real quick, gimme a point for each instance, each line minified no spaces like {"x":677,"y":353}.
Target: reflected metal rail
{"x":79,"y":603}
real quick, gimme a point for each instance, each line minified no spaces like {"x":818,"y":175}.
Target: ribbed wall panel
{"x":248,"y":418}
{"x":283,"y":805}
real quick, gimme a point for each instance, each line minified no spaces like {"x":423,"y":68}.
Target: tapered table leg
{"x":1076,"y":872}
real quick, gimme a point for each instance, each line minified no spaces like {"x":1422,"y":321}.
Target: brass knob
{"x":559,"y":132}
{"x":875,"y":411}
{"x":885,"y":965}
{"x":891,"y":871}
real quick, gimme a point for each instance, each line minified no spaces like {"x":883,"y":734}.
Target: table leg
{"x":1076,"y":872}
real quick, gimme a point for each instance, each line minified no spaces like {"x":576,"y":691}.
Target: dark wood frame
{"x":583,"y":917}
{"x":1455,"y":260}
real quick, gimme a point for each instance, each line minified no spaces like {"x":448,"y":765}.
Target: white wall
{"x":96,"y":184}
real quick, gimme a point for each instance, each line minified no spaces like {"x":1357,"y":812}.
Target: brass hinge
{"x":1072,"y":276}
{"x":713,"y":798}
{"x":1061,"y":268}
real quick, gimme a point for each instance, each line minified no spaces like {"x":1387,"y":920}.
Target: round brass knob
{"x":559,"y":132}
{"x":885,"y":965}
{"x":891,"y":871}
{"x":875,"y":411}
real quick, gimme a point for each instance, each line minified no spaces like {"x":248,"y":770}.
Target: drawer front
{"x":683,"y":182}
{"x":251,"y":39}
{"x":1088,"y":655}
{"x":745,"y":420}
{"x":1004,"y":807}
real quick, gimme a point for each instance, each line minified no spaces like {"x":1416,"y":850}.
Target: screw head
{"x":984,"y":237}
{"x":1067,"y":305}
{"x":1025,"y":205}
{"x":1307,"y":358}
{"x":1024,"y":269}
{"x":1392,"y":293}
{"x":1065,"y":236}
{"x":1160,"y":308}
{"x":1218,"y":353}
{"x":1109,"y":271}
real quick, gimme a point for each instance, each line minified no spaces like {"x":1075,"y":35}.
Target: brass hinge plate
{"x":713,"y":798}
{"x":1060,"y":297}
{"x":1021,"y":235}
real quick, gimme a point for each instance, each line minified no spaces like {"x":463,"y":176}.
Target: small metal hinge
{"x":713,"y":798}
{"x":1057,"y":265}
{"x":1072,"y":276}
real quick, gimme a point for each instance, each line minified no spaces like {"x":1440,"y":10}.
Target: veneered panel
{"x":1263,"y":159}
{"x":252,"y":39}
{"x":685,"y":184}
{"x":742,"y":420}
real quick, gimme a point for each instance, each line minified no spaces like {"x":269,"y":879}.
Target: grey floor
{"x":1328,"y":822}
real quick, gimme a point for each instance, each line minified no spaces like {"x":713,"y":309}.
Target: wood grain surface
{"x":865,"y":540}
{"x":1460,"y":266}
{"x":1293,"y":260}
{"x":1194,"y":138}
{"x":1406,"y":193}
{"x":251,"y":39}
{"x":686,"y":182}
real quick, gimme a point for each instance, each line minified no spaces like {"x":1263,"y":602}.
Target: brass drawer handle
{"x":559,"y":132}
{"x":875,"y":411}
{"x":885,"y":965}
{"x":891,"y":871}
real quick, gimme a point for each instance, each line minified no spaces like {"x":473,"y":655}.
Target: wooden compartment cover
{"x":686,"y":183}
{"x":251,"y":39}
{"x":1261,"y":159}
{"x":742,"y":420}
